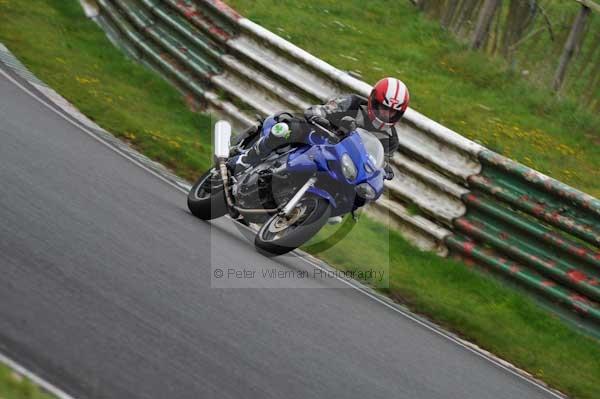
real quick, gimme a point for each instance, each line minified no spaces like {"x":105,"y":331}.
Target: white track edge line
{"x":503,"y":364}
{"x":437,"y":330}
{"x":86,"y":130}
{"x":45,"y":385}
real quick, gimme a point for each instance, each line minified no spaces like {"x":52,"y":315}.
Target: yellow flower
{"x":86,"y":81}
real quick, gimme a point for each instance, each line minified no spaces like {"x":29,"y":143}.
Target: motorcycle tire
{"x":206,"y":199}
{"x":280,"y":235}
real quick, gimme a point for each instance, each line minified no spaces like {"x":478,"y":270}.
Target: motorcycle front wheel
{"x":281,"y":234}
{"x":206,"y":199}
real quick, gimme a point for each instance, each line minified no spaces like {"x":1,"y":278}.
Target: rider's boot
{"x":279,"y":135}
{"x":250,"y":157}
{"x":245,"y":159}
{"x":247,"y":134}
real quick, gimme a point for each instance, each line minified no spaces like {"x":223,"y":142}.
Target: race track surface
{"x":105,"y":292}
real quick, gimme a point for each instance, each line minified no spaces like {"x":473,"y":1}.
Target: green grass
{"x":14,"y":386}
{"x":475,"y":306}
{"x":127,"y":100}
{"x":466,"y":91}
{"x":78,"y":61}
{"x":537,"y":55}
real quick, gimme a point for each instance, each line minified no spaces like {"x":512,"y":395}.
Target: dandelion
{"x":86,"y":81}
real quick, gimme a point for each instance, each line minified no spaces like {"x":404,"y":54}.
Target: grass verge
{"x":14,"y":386}
{"x":131,"y":102}
{"x":468,"y":92}
{"x":475,"y":306}
{"x":537,"y":53}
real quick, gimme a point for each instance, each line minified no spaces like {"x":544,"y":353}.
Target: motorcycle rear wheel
{"x":206,"y":199}
{"x":280,"y":235}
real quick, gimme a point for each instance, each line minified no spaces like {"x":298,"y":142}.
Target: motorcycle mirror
{"x":347,"y":124}
{"x":222,"y":139}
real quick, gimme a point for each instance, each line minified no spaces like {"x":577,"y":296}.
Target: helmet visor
{"x":385,"y":113}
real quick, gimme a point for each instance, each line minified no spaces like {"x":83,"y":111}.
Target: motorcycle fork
{"x":289,"y":207}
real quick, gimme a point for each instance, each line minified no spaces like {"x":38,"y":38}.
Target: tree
{"x":573,"y":41}
{"x":449,"y":13}
{"x":464,"y":13}
{"x":484,"y":20}
{"x":520,"y":15}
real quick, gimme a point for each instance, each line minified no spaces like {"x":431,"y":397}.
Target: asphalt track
{"x":105,"y":291}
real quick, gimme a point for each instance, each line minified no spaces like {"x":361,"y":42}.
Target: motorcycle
{"x":297,"y":188}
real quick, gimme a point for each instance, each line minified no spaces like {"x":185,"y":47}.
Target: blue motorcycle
{"x":297,"y":188}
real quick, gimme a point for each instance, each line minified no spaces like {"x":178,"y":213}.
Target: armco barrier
{"x":478,"y":204}
{"x":535,"y":229}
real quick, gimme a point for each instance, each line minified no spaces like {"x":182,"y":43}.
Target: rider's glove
{"x":319,"y":120}
{"x":389,"y":172}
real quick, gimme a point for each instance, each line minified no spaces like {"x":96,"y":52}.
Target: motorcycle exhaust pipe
{"x":222,"y":139}
{"x":222,"y":144}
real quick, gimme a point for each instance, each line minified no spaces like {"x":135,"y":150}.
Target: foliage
{"x":471,"y":93}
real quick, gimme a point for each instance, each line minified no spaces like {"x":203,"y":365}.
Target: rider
{"x":378,"y":114}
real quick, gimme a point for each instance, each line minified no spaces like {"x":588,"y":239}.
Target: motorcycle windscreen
{"x":373,"y":147}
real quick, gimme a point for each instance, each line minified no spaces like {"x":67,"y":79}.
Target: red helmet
{"x":387,"y":102}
